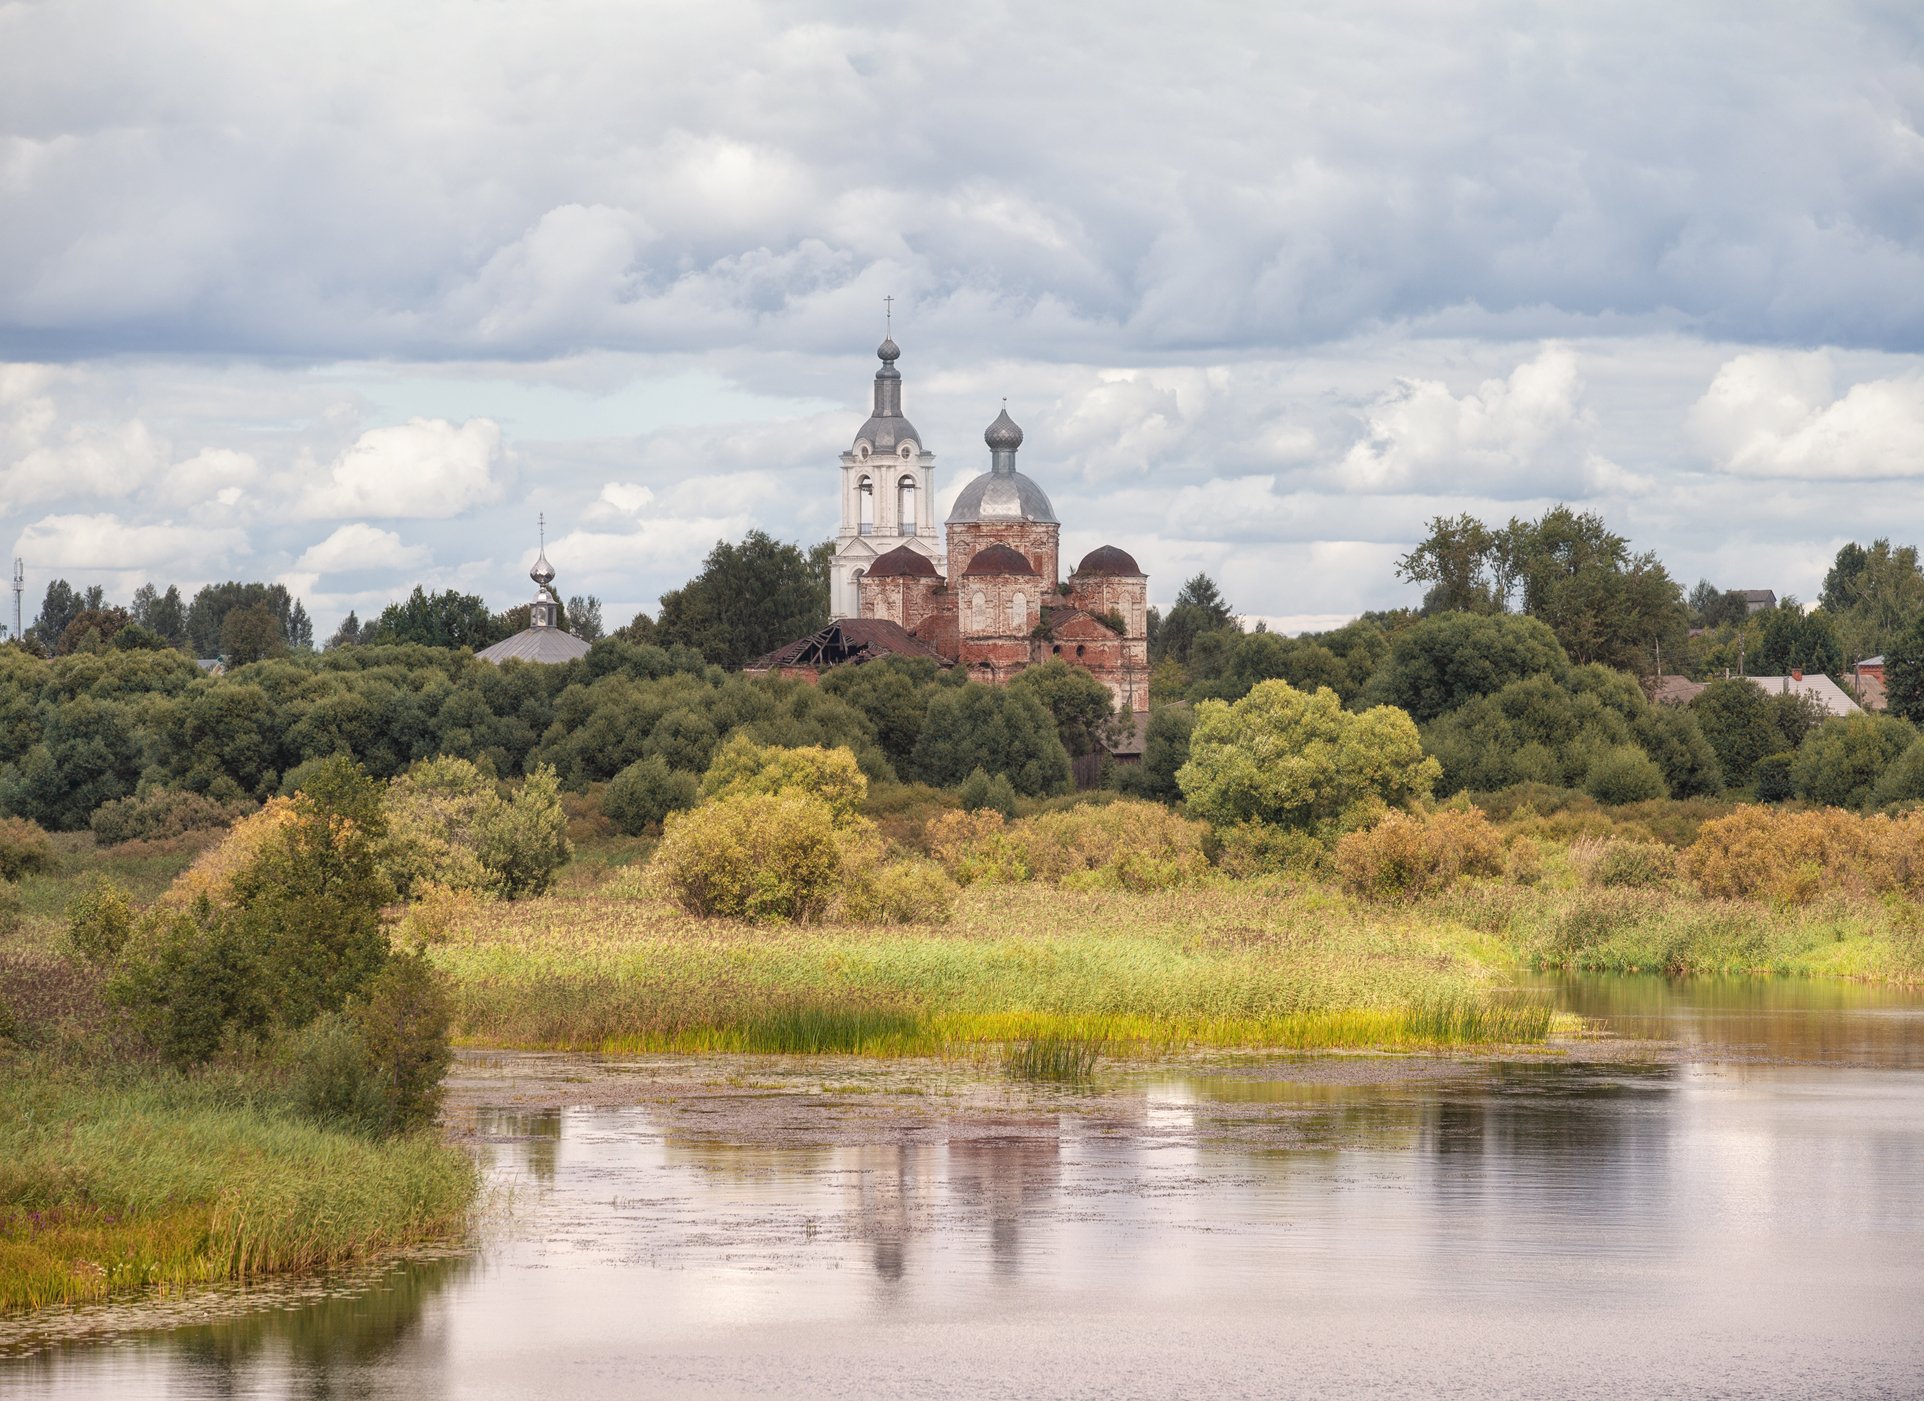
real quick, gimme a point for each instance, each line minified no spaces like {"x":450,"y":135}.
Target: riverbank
{"x":156,"y":1183}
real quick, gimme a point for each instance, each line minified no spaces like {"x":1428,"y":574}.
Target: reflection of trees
{"x":891,"y":1199}
{"x":1003,"y":1177}
{"x":325,"y":1345}
{"x":536,"y":1135}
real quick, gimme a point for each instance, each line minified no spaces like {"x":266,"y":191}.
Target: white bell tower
{"x":888,"y":491}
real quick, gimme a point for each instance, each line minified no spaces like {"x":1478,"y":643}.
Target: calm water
{"x":1741,"y":1214}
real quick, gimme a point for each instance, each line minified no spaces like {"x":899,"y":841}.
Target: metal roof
{"x":546,"y":645}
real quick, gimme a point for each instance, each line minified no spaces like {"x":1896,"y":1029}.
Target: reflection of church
{"x":995,"y":602}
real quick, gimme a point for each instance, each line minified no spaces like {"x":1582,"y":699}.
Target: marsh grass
{"x":1061,"y":1058}
{"x":1256,"y":964}
{"x":162,"y":1184}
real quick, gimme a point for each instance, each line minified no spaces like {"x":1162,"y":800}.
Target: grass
{"x":162,"y":1183}
{"x":1245,"y":965}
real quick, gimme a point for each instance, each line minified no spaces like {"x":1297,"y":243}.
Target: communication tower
{"x":19,"y":587}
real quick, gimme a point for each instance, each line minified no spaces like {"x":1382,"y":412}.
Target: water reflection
{"x":1675,"y":1224}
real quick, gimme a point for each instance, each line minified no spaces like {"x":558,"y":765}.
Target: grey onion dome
{"x":543,"y":572}
{"x":888,"y":351}
{"x":1004,"y":435}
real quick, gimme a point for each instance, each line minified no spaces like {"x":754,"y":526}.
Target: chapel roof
{"x":902,"y":563}
{"x":1107,"y":559}
{"x":999,"y":559}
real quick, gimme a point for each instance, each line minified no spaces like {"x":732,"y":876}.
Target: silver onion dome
{"x":1004,"y":435}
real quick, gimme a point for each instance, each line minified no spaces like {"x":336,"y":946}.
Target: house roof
{"x":548,"y":646}
{"x":1821,"y":689}
{"x":847,"y":640}
{"x":1675,"y":690}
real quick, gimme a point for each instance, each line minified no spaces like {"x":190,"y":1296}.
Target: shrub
{"x":1129,"y":843}
{"x":25,"y":849}
{"x":524,"y":841}
{"x":1257,"y":849}
{"x":402,"y":1024}
{"x":329,"y":1078}
{"x":186,"y":982}
{"x":1841,"y":761}
{"x":211,"y":877}
{"x":1772,"y":778}
{"x":996,"y":728}
{"x":1903,"y":781}
{"x":977,"y":846}
{"x":753,"y":857}
{"x":1624,"y":774}
{"x":743,"y":767}
{"x":640,"y":797}
{"x":1298,"y":759}
{"x":1443,"y":661}
{"x":980,"y":792}
{"x":160,"y":814}
{"x":1614,"y":862}
{"x":1405,"y":855}
{"x":1523,"y":863}
{"x":1763,"y":852}
{"x":902,"y":892}
{"x":99,"y":920}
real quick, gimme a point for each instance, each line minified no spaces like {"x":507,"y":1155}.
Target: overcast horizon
{"x":344,"y":297}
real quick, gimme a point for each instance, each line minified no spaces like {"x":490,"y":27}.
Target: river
{"x":1725,"y":1199}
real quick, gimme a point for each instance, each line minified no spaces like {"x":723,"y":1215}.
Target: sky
{"x":345,"y":295}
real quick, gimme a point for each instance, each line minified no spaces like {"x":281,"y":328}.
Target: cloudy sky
{"x":344,"y":294}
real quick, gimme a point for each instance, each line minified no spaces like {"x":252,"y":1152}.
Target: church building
{"x":991,"y":597}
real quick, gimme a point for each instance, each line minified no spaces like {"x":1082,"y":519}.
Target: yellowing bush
{"x":213,"y":871}
{"x":742,"y":766}
{"x":1405,"y":855}
{"x":900,"y":892}
{"x":1761,"y":852}
{"x":757,"y":857}
{"x":977,"y":846}
{"x":1613,"y":862}
{"x":1132,"y":844}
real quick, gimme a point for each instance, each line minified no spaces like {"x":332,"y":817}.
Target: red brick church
{"x":996,"y":601}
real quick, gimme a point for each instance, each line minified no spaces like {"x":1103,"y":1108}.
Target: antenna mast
{"x":19,"y":587}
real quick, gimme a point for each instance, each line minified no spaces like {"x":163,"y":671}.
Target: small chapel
{"x":991,"y":596}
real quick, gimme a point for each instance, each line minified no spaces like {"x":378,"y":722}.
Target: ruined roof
{"x":999,"y":559}
{"x":1107,"y":559}
{"x":847,"y":640}
{"x":546,"y":645}
{"x":902,"y":563}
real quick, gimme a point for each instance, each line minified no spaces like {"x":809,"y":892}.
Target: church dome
{"x":999,"y":559}
{"x":902,"y":563}
{"x":888,"y":352}
{"x":543,"y":572}
{"x":1003,"y":434}
{"x":1109,"y":560}
{"x":886,"y":429}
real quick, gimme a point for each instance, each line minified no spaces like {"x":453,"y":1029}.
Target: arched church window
{"x":865,"y":506}
{"x":1018,"y":613}
{"x":905,"y":506}
{"x":978,"y":610}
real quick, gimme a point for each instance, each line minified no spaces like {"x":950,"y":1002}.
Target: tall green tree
{"x":1200,"y":608}
{"x":1904,"y":672}
{"x":1872,"y":595}
{"x":994,"y":728}
{"x":1080,"y":705}
{"x":1449,"y":659}
{"x":164,"y":614}
{"x":748,"y":599}
{"x":1794,"y":640}
{"x":1463,"y":565}
{"x":446,"y":619}
{"x":209,"y":610}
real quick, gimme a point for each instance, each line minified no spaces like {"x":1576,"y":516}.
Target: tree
{"x":163,"y":614}
{"x":1165,"y":751}
{"x":309,"y":905}
{"x":211,"y":605}
{"x":61,"y":605}
{"x":1199,"y":608}
{"x":1464,"y":565}
{"x":894,"y":694}
{"x":584,"y":617}
{"x":743,"y":768}
{"x":642,"y":795}
{"x":350,"y":633}
{"x":1604,"y":604}
{"x":92,"y":629}
{"x":1080,"y":705}
{"x":1794,"y":640}
{"x":251,"y":634}
{"x":1298,"y":760}
{"x":1712,"y":607}
{"x":446,"y":619}
{"x":1444,"y":661}
{"x":997,"y":729}
{"x":1741,"y":725}
{"x":748,"y":599}
{"x":1872,"y":594}
{"x":1904,"y":672}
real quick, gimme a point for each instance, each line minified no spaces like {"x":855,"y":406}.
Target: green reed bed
{"x":167,"y":1183}
{"x":1250,"y":965}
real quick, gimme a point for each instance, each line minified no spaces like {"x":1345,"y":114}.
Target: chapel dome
{"x":1004,"y":433}
{"x":1108,"y":560}
{"x":999,"y":559}
{"x":902,"y":563}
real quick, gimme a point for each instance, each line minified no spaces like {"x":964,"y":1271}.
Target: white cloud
{"x":426,"y":467}
{"x":105,"y":542}
{"x":1771,"y":414}
{"x":1525,"y":433}
{"x":213,"y":474}
{"x":619,"y":500}
{"x":360,"y":546}
{"x":43,"y":458}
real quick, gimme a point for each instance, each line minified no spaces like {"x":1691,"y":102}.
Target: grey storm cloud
{"x":456,"y":179}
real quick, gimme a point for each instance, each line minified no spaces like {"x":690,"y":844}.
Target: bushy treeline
{"x":120,"y":737}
